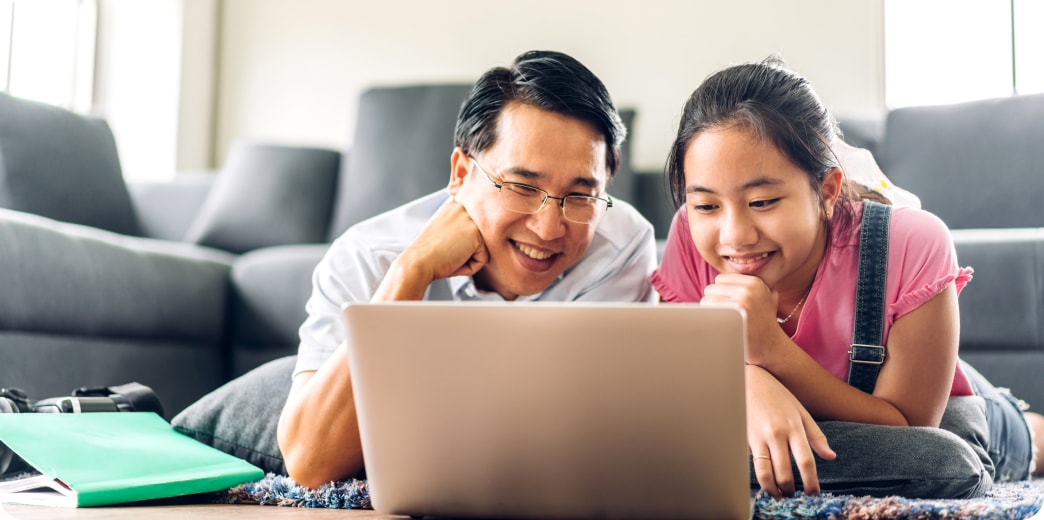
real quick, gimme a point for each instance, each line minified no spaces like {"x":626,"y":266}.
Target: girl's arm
{"x":778,"y":427}
{"x":915,"y":379}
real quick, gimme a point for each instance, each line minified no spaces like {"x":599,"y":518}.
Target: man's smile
{"x":533,"y":252}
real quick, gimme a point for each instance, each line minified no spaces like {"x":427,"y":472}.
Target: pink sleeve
{"x":682,"y":273}
{"x":923,"y":259}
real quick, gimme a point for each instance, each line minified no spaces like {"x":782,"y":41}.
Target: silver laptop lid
{"x":549,"y":410}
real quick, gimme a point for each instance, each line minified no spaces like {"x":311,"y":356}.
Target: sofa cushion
{"x":241,"y":416}
{"x":62,"y":165}
{"x":268,"y":195}
{"x":269,"y":289}
{"x":975,"y":164}
{"x":401,"y":149}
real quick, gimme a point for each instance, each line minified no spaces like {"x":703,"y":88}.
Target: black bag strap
{"x":867,"y":352}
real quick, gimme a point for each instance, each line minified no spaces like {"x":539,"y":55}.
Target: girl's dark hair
{"x":775,"y":104}
{"x":547,"y":80}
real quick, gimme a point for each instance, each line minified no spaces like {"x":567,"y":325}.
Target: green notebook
{"x":95,"y":459}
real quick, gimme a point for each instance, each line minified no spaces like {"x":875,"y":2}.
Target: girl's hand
{"x":753,"y":296}
{"x":778,"y":427}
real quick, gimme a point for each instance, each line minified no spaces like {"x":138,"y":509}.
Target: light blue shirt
{"x":615,"y":267}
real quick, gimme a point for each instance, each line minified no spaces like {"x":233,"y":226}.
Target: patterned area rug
{"x":1013,"y":501}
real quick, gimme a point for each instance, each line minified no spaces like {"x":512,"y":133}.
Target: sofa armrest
{"x":1002,"y":329}
{"x":166,"y":209}
{"x":1001,"y":307}
{"x":82,"y":306}
{"x":61,"y":278}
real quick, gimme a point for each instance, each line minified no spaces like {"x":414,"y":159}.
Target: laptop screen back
{"x":551,"y":410}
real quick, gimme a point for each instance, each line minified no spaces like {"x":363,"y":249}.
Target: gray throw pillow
{"x":241,"y":416}
{"x":62,"y":165}
{"x":268,"y":195}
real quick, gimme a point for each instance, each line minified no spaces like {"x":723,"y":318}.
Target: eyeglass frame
{"x":608,"y":200}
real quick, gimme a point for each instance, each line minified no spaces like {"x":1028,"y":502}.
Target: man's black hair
{"x":547,"y":80}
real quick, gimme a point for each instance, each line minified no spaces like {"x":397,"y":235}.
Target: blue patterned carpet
{"x":1015,"y":500}
{"x":1007,"y":501}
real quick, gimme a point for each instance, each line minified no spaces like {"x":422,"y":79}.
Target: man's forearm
{"x":404,"y":281}
{"x":318,"y":430}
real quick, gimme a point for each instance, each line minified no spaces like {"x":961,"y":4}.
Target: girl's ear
{"x":460,"y":166}
{"x":830,"y":191}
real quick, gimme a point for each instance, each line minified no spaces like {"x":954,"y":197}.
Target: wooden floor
{"x":187,"y":511}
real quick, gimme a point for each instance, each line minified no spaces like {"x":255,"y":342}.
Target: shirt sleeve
{"x":349,"y":272}
{"x":922,"y":260}
{"x":682,"y":273}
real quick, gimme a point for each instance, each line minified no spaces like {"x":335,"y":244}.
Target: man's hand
{"x":450,"y":245}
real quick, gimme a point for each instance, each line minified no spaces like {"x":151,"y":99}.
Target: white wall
{"x":291,"y":71}
{"x":198,"y":92}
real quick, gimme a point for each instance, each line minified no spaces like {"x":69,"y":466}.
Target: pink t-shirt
{"x":921,"y":263}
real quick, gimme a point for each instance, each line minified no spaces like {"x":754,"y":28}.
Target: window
{"x":948,"y":51}
{"x":1029,"y":46}
{"x":47,"y":50}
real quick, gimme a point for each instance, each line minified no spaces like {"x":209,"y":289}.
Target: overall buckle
{"x":866,"y":354}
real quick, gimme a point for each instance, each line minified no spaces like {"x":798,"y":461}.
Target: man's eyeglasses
{"x":523,"y":198}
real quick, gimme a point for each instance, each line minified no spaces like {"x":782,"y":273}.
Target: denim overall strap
{"x":867,"y":351}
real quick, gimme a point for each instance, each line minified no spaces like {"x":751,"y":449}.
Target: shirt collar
{"x":464,"y":289}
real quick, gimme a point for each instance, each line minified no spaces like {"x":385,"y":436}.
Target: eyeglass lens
{"x":527,"y":199}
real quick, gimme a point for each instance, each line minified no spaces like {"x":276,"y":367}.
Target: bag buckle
{"x":866,"y":354}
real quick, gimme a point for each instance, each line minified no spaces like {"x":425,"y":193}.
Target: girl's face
{"x":752,"y":211}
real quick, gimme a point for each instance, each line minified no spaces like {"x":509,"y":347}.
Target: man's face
{"x":561,"y":155}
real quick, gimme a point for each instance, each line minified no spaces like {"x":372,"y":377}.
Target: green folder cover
{"x":95,"y":459}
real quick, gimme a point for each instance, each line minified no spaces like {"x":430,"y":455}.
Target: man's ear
{"x":830,"y":190}
{"x":460,"y":167}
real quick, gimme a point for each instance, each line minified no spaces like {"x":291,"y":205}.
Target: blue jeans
{"x":982,"y":438}
{"x":1010,"y":445}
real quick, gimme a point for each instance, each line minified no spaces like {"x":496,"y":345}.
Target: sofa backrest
{"x":401,"y":150}
{"x":975,"y":165}
{"x":62,"y":165}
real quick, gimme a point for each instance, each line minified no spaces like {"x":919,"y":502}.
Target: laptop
{"x":551,"y":410}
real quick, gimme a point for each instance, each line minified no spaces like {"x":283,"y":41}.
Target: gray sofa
{"x":980,"y":167}
{"x":105,"y":283}
{"x":184,"y":285}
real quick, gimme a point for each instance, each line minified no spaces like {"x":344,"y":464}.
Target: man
{"x":525,"y":217}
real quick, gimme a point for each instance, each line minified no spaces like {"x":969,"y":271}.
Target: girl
{"x":770,"y":223}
